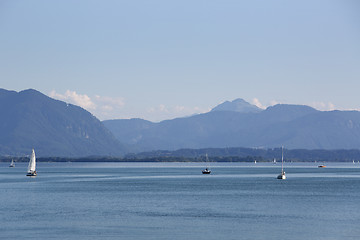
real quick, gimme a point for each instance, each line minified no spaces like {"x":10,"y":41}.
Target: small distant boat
{"x":255,"y":162}
{"x":274,"y":161}
{"x":206,"y":170}
{"x":12,"y":164}
{"x":32,"y":165}
{"x":322,"y":165}
{"x":282,"y":174}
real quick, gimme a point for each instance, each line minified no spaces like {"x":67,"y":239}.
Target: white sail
{"x":282,"y":175}
{"x":12,"y":164}
{"x":32,"y":163}
{"x":282,"y":159}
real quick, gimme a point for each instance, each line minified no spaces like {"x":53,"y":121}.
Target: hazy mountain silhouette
{"x":238,"y":105}
{"x":29,"y":119}
{"x":295,"y":126}
{"x":129,"y":131}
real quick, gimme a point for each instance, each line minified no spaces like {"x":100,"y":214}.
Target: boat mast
{"x":207,"y":160}
{"x":282,"y":159}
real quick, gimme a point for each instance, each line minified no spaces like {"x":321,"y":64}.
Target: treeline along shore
{"x":147,"y":159}
{"x":214,"y":155}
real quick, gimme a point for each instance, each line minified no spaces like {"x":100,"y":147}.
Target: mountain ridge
{"x":54,"y":128}
{"x":295,"y":126}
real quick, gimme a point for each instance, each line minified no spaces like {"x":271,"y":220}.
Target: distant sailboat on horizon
{"x":32,"y":165}
{"x":282,"y":174}
{"x":12,"y":164}
{"x":206,"y":170}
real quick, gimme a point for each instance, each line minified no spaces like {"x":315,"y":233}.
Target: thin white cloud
{"x":162,"y":108}
{"x":322,"y":106}
{"x":158,"y":109}
{"x":105,"y":107}
{"x":73,"y":97}
{"x":257,"y":103}
{"x":179,"y":108}
{"x":102,"y":107}
{"x":163,"y":112}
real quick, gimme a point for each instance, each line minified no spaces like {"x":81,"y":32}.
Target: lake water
{"x":175,"y":201}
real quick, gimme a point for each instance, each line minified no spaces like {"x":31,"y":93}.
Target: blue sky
{"x":163,"y":59}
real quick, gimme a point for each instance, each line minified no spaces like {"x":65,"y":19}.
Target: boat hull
{"x":206,"y":172}
{"x":31,"y":174}
{"x":281,"y":176}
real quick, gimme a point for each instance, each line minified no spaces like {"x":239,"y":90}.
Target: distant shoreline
{"x":214,"y":154}
{"x":105,"y":159}
{"x":236,"y":154}
{"x":164,"y":159}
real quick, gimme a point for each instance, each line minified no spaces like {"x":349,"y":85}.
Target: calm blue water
{"x":175,"y":201}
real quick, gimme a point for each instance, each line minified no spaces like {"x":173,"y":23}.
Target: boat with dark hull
{"x":206,"y":170}
{"x":322,"y":166}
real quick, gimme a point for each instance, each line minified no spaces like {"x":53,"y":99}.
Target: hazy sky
{"x":160,"y":59}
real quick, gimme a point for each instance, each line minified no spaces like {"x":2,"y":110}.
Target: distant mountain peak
{"x":237,"y":105}
{"x":291,"y":108}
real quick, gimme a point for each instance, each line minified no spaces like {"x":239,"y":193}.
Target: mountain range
{"x":30,"y":119}
{"x":240,"y":124}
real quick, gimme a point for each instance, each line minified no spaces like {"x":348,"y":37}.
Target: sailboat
{"x":32,"y":165}
{"x":12,"y":164}
{"x":282,"y":174}
{"x":206,"y":170}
